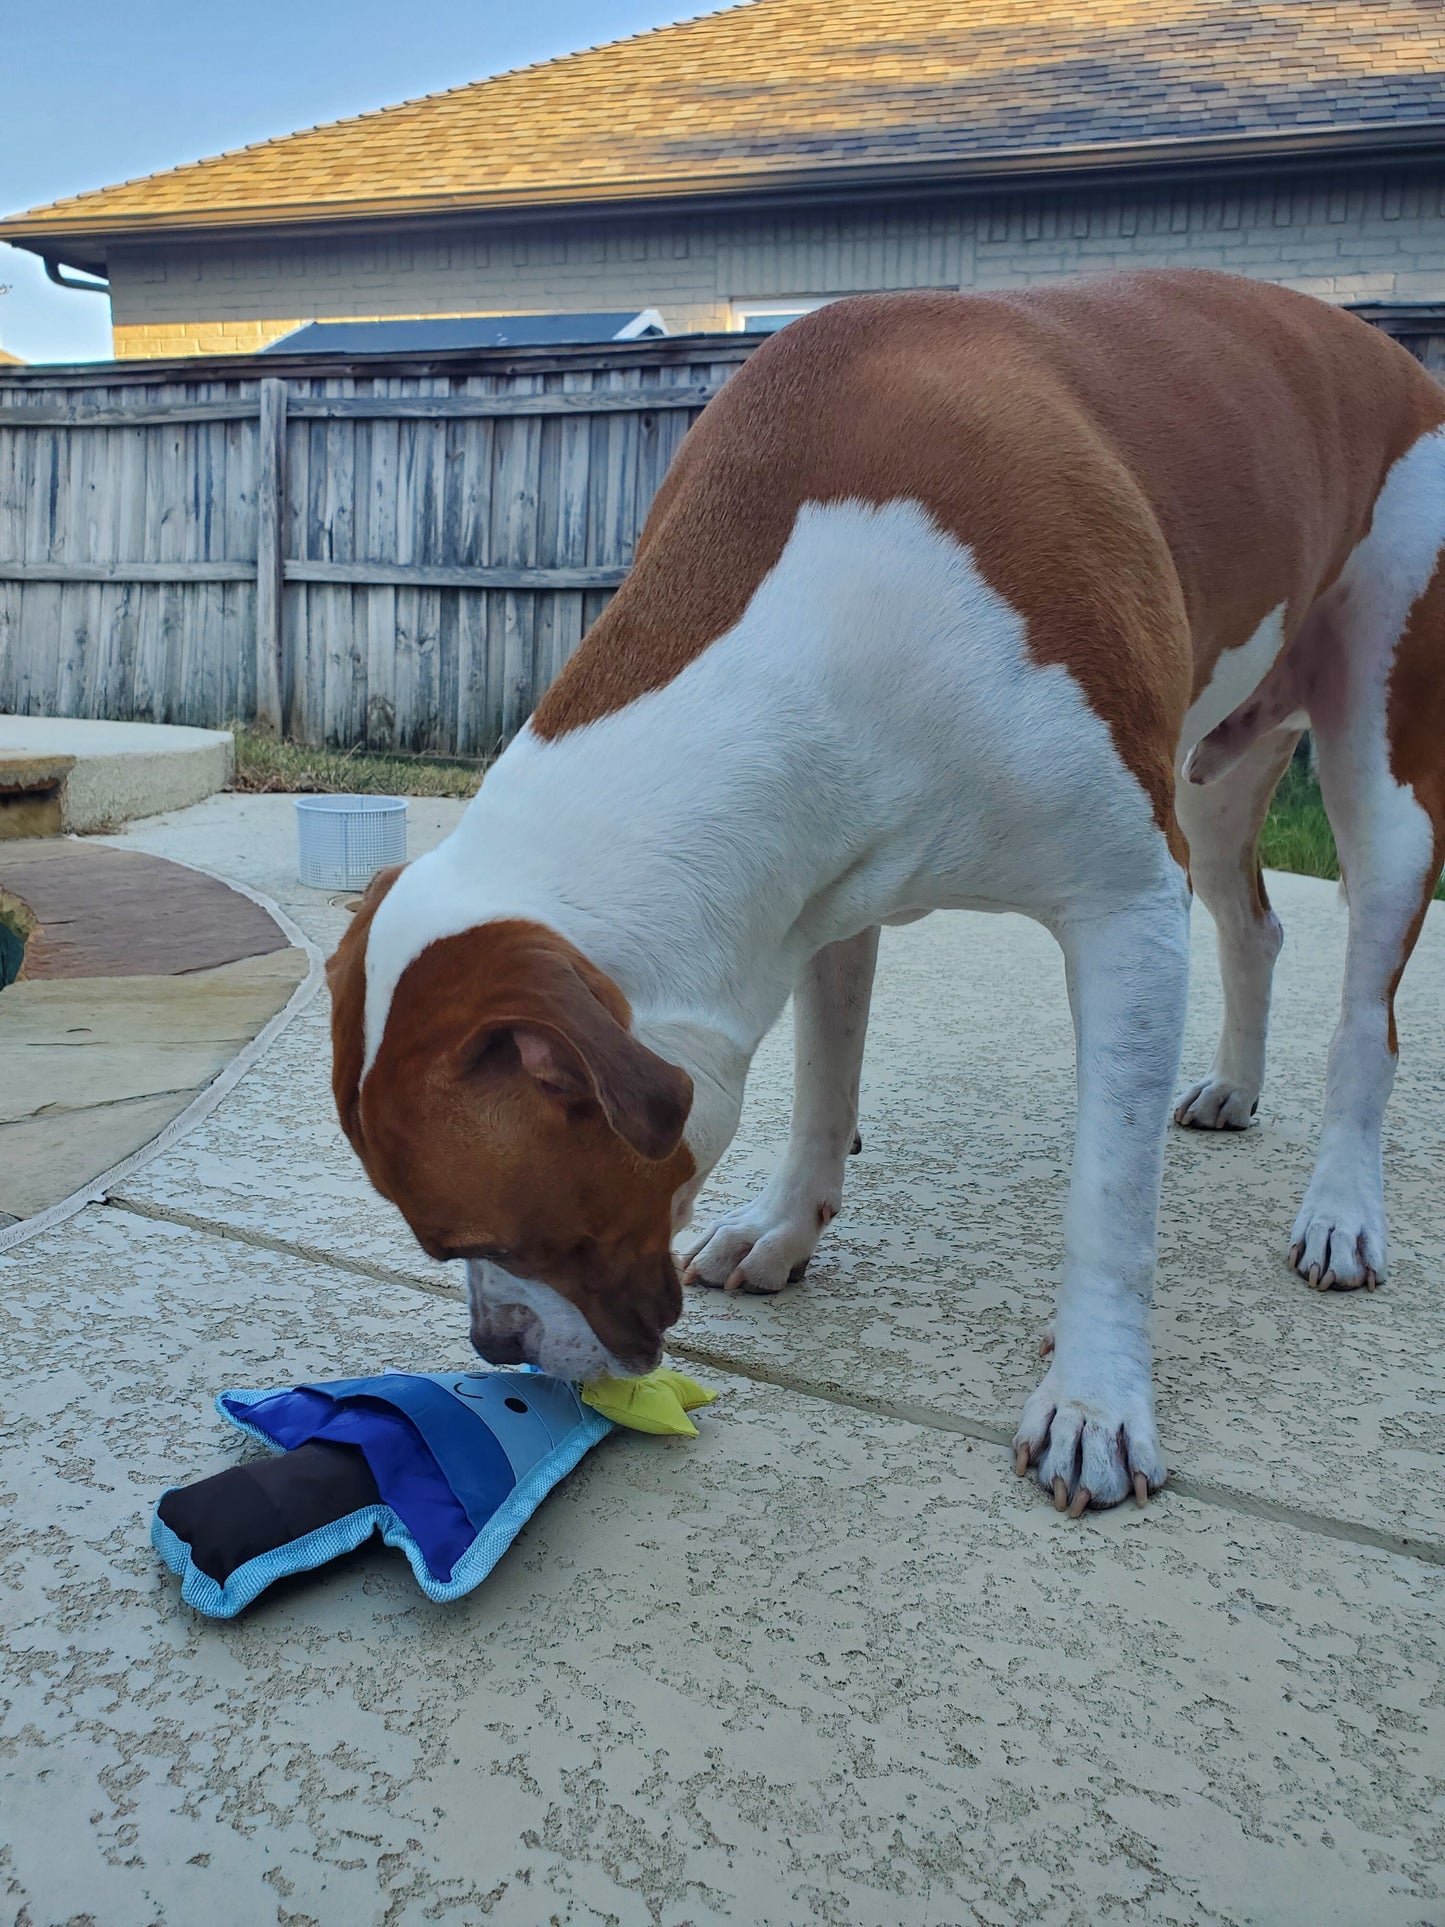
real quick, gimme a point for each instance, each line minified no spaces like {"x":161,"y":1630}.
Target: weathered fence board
{"x":270,"y":551}
{"x":394,"y":552}
{"x":358,"y":408}
{"x":177,"y":571}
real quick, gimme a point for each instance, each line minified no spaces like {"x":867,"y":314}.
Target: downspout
{"x":55,"y":273}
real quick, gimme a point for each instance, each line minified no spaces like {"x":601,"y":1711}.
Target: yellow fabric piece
{"x":658,"y":1403}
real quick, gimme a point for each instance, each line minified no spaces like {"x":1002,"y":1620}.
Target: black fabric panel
{"x":251,"y":1509}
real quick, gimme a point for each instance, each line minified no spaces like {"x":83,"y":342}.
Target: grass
{"x":1296,"y":837}
{"x":1297,"y":834}
{"x":266,"y":766}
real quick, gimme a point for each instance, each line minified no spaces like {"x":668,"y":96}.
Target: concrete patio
{"x":829,"y":1663}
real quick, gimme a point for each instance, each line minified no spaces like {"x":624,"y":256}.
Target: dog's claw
{"x":1327,"y":1259}
{"x":1093,"y":1439}
{"x":1021,"y":1461}
{"x":1141,"y":1489}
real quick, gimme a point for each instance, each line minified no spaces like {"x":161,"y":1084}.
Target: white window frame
{"x":743,"y":311}
{"x":644,"y":319}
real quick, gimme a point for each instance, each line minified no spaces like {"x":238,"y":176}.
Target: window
{"x":766,"y":317}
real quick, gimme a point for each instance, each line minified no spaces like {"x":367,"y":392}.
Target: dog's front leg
{"x":768,"y":1243}
{"x":1089,"y":1428}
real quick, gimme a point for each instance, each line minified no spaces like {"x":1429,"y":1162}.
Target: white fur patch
{"x":872,"y":738}
{"x":1236,"y":675}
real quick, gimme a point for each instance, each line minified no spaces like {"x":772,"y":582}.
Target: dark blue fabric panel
{"x":473,"y":1461}
{"x":289,"y":1419}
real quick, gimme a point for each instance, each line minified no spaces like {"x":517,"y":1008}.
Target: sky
{"x":92,"y":93}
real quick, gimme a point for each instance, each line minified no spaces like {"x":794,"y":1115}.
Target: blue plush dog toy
{"x":447,"y":1466}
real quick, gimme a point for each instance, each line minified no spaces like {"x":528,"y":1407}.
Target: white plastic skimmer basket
{"x":345,"y":840}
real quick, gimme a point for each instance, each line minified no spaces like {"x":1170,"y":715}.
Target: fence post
{"x":270,"y":557}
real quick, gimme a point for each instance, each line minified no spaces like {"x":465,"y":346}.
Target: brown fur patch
{"x":1416,"y":707}
{"x":346,"y":978}
{"x":1144,"y":467}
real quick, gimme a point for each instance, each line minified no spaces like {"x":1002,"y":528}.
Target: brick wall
{"x":153,"y":339}
{"x":1365,"y":236}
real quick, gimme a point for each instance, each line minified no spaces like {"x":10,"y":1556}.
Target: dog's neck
{"x":706,"y":956}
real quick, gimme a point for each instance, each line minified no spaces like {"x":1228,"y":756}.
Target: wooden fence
{"x":400,"y":551}
{"x":396,"y":551}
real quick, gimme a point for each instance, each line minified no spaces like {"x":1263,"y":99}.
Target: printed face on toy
{"x":515,"y":1121}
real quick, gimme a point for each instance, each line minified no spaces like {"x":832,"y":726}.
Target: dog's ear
{"x":578,"y":1053}
{"x":346,"y":975}
{"x":588,"y":1056}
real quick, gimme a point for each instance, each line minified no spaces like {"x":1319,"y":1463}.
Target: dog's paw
{"x":1338,"y":1241}
{"x":1090,"y":1438}
{"x":1216,"y":1104}
{"x":761,"y":1248}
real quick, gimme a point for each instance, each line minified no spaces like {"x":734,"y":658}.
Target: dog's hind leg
{"x":1379,"y":718}
{"x":1222,"y":821}
{"x":770,"y":1242}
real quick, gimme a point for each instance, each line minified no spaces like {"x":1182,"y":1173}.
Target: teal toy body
{"x":459,"y":1461}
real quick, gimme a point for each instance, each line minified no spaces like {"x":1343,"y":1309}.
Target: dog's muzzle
{"x":515,"y":1322}
{"x":506,"y":1335}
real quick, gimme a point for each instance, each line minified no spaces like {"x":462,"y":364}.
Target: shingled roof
{"x":776,"y":93}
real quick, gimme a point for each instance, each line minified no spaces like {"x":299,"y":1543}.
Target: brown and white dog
{"x":1013,"y":602}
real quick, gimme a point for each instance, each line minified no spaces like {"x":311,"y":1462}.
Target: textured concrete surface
{"x":123,"y":770}
{"x":817,"y":1667}
{"x":830,"y":1663}
{"x":253,"y":839}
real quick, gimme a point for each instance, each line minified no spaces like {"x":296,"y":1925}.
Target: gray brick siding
{"x":1373,"y":235}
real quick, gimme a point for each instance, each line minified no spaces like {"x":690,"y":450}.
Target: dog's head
{"x":515,"y":1121}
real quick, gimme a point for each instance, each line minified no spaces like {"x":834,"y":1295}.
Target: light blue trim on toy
{"x":341,"y":1536}
{"x":248,"y":1582}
